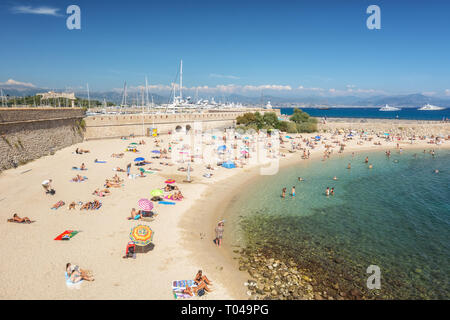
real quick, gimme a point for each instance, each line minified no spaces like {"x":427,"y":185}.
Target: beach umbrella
{"x":141,"y":235}
{"x":145,"y":204}
{"x":169,"y":181}
{"x":223,"y":147}
{"x":133,"y":143}
{"x":317,"y":137}
{"x":156,"y":192}
{"x":139,"y":159}
{"x":156,"y":151}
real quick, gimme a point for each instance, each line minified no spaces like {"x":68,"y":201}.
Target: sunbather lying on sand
{"x":117,"y":155}
{"x":93,"y":205}
{"x":80,"y":151}
{"x":18,"y":219}
{"x":135,"y":215}
{"x":102,"y":193}
{"x":166,"y":164}
{"x":58,"y":204}
{"x":116,"y":179}
{"x":78,"y":178}
{"x":110,"y":184}
{"x":119,"y":170}
{"x":76,"y":274}
{"x":183,"y":169}
{"x":176,"y":196}
{"x":169,"y":187}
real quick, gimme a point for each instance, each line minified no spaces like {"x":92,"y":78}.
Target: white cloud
{"x":223,"y":76}
{"x":36,"y":10}
{"x":14,"y":83}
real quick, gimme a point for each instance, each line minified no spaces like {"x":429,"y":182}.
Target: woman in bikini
{"x":16,"y":218}
{"x":76,"y":274}
{"x":135,"y":215}
{"x":199,"y":278}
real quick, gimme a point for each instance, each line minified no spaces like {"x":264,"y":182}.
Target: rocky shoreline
{"x":276,"y":278}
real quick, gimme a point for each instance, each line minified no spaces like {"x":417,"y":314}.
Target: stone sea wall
{"x":30,"y":133}
{"x":419,"y":127}
{"x":115,"y":126}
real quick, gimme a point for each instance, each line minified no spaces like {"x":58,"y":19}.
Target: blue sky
{"x":280,"y":47}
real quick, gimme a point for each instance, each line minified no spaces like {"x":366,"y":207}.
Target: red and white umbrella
{"x":145,"y":204}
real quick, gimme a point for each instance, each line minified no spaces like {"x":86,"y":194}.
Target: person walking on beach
{"x":283,"y":193}
{"x":46,"y":184}
{"x":219,"y":233}
{"x":128,"y":169}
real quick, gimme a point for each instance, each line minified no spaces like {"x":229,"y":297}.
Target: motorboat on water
{"x":429,"y":107}
{"x":389,"y":108}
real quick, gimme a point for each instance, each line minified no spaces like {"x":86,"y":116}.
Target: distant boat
{"x":389,"y":108}
{"x":324,"y":108}
{"x":429,"y":107}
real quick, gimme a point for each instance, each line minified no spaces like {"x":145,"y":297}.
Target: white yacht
{"x":389,"y":108}
{"x":429,"y":107}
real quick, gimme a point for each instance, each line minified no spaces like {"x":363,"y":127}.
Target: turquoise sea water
{"x":395,"y":216}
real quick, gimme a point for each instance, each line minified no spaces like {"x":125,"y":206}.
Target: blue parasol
{"x":139,"y":159}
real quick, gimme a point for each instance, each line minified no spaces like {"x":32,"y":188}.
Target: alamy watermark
{"x":374,"y":20}
{"x":374,"y":280}
{"x":74,"y":20}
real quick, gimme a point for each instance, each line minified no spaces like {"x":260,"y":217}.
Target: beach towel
{"x":68,"y":234}
{"x":70,"y":284}
{"x":76,"y":168}
{"x":145,"y":171}
{"x":12,"y":220}
{"x":170,"y":197}
{"x":98,"y":161}
{"x":166,"y":202}
{"x":179,"y":285}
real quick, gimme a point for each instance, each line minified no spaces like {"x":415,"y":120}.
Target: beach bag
{"x":201,"y":292}
{"x":52,"y":192}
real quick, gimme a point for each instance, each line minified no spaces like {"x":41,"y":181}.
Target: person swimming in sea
{"x":327,"y":191}
{"x":436,"y":171}
{"x":349,"y":166}
{"x":300,"y":179}
{"x":370,"y":166}
{"x":293,"y":191}
{"x":367,"y":160}
{"x":332,"y":191}
{"x":335,"y":178}
{"x":283,"y":193}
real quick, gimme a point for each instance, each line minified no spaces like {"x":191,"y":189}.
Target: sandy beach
{"x":33,"y":265}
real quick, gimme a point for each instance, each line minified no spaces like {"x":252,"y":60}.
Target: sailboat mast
{"x":181,"y":80}
{"x":89,"y":100}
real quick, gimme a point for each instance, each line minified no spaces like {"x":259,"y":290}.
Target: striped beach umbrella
{"x":169,"y":181}
{"x":156,"y":192}
{"x":145,"y":204}
{"x":141,"y":235}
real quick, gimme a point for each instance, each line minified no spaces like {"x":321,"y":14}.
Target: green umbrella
{"x":156,"y":192}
